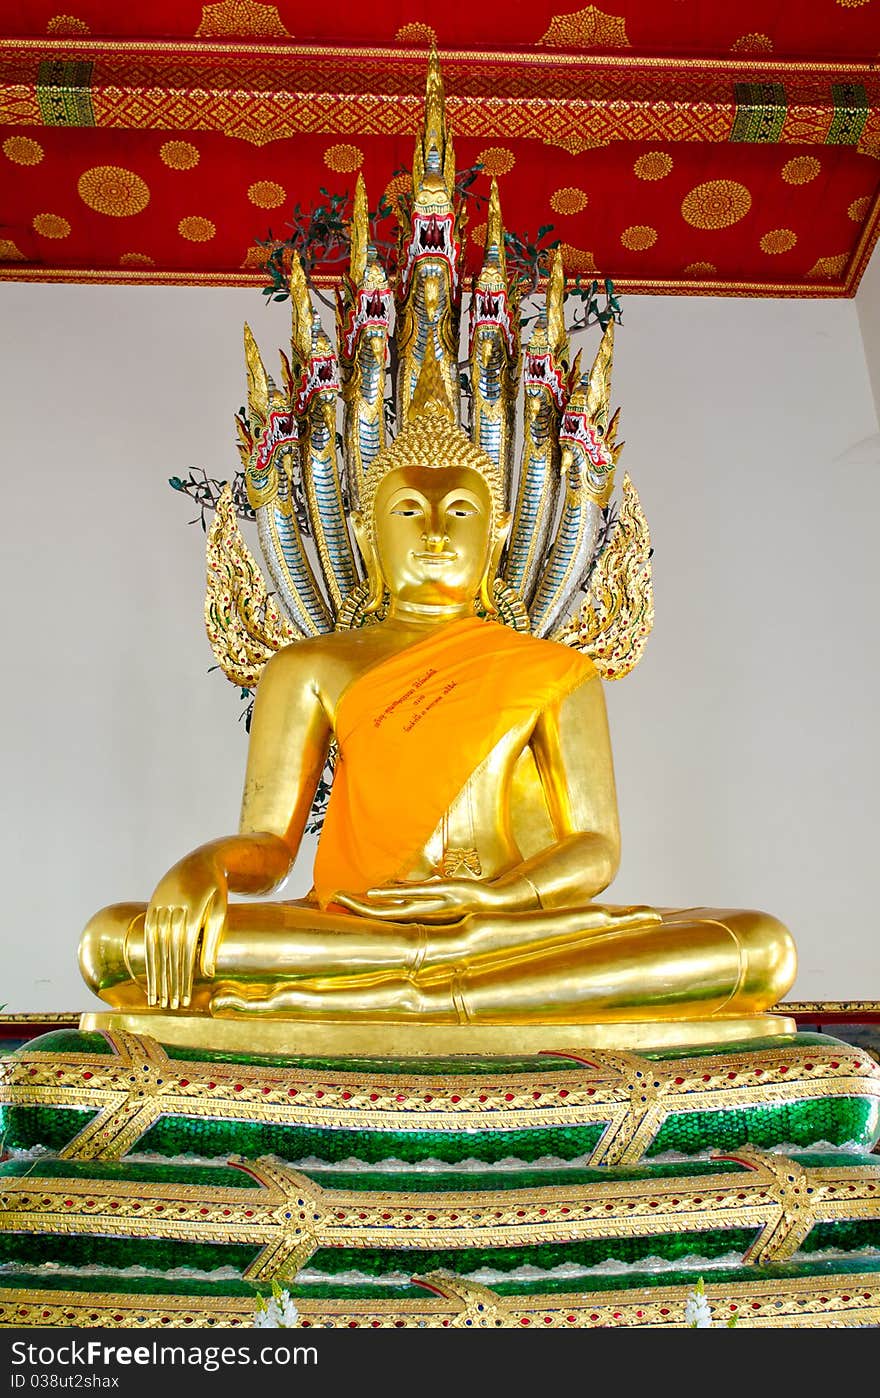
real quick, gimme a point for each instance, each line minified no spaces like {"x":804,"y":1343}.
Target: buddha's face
{"x":433,"y":533}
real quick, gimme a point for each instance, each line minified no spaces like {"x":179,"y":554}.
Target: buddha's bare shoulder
{"x":326,"y":664}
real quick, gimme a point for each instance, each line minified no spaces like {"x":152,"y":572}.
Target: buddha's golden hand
{"x":439,"y":900}
{"x":184,"y":920}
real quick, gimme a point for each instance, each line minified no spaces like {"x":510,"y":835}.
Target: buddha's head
{"x":432,"y":525}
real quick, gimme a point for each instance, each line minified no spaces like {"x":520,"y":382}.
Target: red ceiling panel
{"x":676,"y":145}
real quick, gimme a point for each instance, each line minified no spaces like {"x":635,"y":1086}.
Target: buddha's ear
{"x":499,"y":539}
{"x":371,"y":562}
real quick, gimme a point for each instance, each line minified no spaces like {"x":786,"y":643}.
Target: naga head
{"x":319,"y":379}
{"x":494,"y":326}
{"x":587,"y":435}
{"x":364,"y":300}
{"x":545,"y":367}
{"x":431,"y":253}
{"x":270,"y":431}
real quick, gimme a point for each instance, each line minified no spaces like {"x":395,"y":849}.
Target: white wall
{"x":746,"y":753}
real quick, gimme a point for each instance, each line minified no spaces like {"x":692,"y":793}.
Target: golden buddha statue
{"x":472,"y":822}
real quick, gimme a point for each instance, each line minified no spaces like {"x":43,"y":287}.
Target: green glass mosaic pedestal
{"x":157,"y":1185}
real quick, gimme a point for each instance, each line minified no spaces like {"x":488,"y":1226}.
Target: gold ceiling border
{"x":73,"y":47}
{"x":660,"y":287}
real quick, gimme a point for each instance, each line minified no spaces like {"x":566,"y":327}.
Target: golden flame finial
{"x":599,"y":387}
{"x":359,"y":229}
{"x":557,"y":339}
{"x":434,"y":155}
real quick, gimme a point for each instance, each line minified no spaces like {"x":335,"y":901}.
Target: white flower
{"x":278,"y":1313}
{"x":697,"y":1312}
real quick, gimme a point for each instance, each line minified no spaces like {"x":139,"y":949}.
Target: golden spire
{"x":301,"y":310}
{"x":599,"y":387}
{"x":495,"y":227}
{"x":434,"y":153}
{"x":257,"y":380}
{"x":359,"y":229}
{"x":557,"y":339}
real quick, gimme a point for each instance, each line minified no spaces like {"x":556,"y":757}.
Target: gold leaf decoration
{"x":196,"y":229}
{"x":829,"y":267}
{"x":779,"y":240}
{"x":568,"y":200}
{"x":51,"y":226}
{"x":267,"y":194}
{"x":416,"y":34}
{"x":136,"y":259}
{"x":852,"y":4}
{"x":575,"y":142}
{"x":113,"y":190}
{"x":179,"y":155}
{"x":496,"y":160}
{"x":239,"y":19}
{"x":655,"y":165}
{"x":9,"y":252}
{"x":752,"y":45}
{"x":244,"y":624}
{"x":478,"y":232}
{"x":701,"y":269}
{"x":586,"y":29}
{"x":22,"y":150}
{"x":716,"y":204}
{"x":801,"y":169}
{"x":639,"y":237}
{"x":576,"y":261}
{"x":343,"y":158}
{"x":615,"y":621}
{"x":67,"y":24}
{"x":858,"y":209}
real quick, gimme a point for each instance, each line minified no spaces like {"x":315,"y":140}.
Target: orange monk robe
{"x":412,"y":730}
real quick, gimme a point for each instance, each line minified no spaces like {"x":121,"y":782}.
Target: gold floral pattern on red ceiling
{"x":801,"y":170}
{"x":51,"y":226}
{"x":136,"y":259}
{"x":778,"y":240}
{"x":716,"y":204}
{"x":639,"y":237}
{"x":67,"y":26}
{"x":496,"y":160}
{"x":196,"y":229}
{"x":589,"y":28}
{"x":656,"y":165}
{"x":9,"y":252}
{"x":179,"y":155}
{"x":113,"y":190}
{"x":235,"y":19}
{"x":701,"y":269}
{"x":22,"y":150}
{"x":343,"y":158}
{"x":576,"y":261}
{"x":478,"y":234}
{"x":829,"y":267}
{"x":858,"y":209}
{"x":398,"y":188}
{"x":267,"y":194}
{"x":416,"y":33}
{"x":569,"y":200}
{"x":752,"y":45}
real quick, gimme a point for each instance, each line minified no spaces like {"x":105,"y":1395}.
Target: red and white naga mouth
{"x":280,"y":431}
{"x":371,"y":312}
{"x":541,"y":371}
{"x":490,"y":310}
{"x":588,"y":445}
{"x":432,"y":238}
{"x":321,"y":375}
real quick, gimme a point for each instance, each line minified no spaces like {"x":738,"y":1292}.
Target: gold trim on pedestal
{"x":305,"y":1039}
